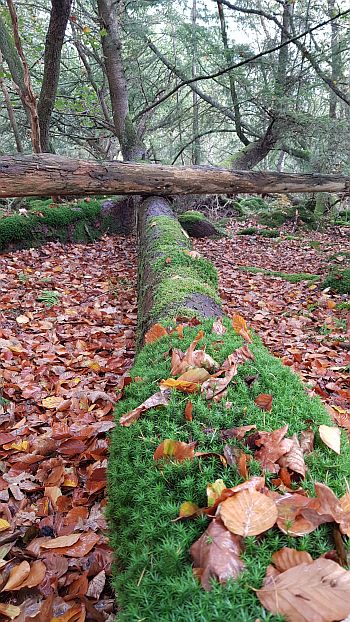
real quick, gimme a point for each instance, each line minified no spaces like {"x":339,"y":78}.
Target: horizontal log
{"x":45,"y":175}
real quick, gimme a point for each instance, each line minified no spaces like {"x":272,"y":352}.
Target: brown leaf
{"x":323,"y":594}
{"x":188,"y":509}
{"x":188,"y":411}
{"x":240,"y":327}
{"x":237,"y":433}
{"x":264,"y":401}
{"x":294,"y":459}
{"x":288,"y":558}
{"x":218,"y":327}
{"x":307,"y":441}
{"x":248,"y":513}
{"x":216,"y":386}
{"x":175,"y":450}
{"x":83,"y":546}
{"x":216,"y":554}
{"x":96,"y":585}
{"x":18,"y":574}
{"x":331,"y":437}
{"x":62,"y":541}
{"x":242,"y":464}
{"x":180,"y":362}
{"x":196,"y":374}
{"x":154,"y":333}
{"x":158,"y":399}
{"x":274,"y":446}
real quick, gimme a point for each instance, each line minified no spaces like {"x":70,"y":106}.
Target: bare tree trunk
{"x":42,"y":175}
{"x":196,"y":145}
{"x":112,"y":50}
{"x":28,"y":95}
{"x":60,"y":11}
{"x":10,"y":111}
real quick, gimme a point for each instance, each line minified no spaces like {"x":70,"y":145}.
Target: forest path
{"x":67,"y":327}
{"x":308,"y":329}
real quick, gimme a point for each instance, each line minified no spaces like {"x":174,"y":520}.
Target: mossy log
{"x":47,"y":174}
{"x":197,"y":225}
{"x":171,"y":281}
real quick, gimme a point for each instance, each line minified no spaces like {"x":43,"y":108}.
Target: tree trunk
{"x":164,"y":290}
{"x":60,"y":12}
{"x":10,"y":111}
{"x":45,"y":175}
{"x":112,"y":51}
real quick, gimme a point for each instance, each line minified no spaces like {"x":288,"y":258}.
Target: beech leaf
{"x":216,"y":555}
{"x":158,"y":399}
{"x":264,"y":401}
{"x":331,"y":437}
{"x":288,"y":558}
{"x":240,"y":327}
{"x":248,"y":513}
{"x":310,"y":592}
{"x":17,"y":575}
{"x":10,"y":611}
{"x":175,"y":450}
{"x":154,"y":333}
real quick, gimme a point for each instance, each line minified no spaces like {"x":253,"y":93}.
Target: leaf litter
{"x":63,"y":368}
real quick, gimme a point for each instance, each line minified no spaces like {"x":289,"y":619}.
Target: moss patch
{"x":287,"y":276}
{"x":76,"y":222}
{"x":338,"y":281}
{"x":198,"y":226}
{"x":153,"y":575}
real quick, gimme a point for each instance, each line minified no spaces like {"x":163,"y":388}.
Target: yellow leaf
{"x":240,"y":327}
{"x":9,"y":611}
{"x":86,"y":30}
{"x":4,"y":524}
{"x":180,"y":385}
{"x":22,"y":319}
{"x":52,"y":401}
{"x":20,"y":446}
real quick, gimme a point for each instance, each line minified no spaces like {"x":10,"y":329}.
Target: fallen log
{"x":46,"y":175}
{"x":171,"y":281}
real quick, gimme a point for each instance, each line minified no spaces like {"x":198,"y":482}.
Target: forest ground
{"x":63,"y":354}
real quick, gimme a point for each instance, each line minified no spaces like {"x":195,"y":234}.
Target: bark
{"x":46,"y":175}
{"x":28,"y":95}
{"x":112,"y":51}
{"x":149,"y":280}
{"x":10,"y":111}
{"x":11,"y":57}
{"x":60,"y":11}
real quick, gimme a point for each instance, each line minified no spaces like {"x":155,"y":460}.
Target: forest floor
{"x":67,"y":328}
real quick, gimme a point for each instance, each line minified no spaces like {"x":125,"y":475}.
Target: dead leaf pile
{"x":63,"y":368}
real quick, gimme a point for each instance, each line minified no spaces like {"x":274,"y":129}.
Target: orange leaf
{"x":248,"y":513}
{"x":17,"y":575}
{"x":240,"y":327}
{"x":188,"y":411}
{"x":242,"y":464}
{"x":331,"y":437}
{"x":181,"y":385}
{"x":175,"y":450}
{"x":154,"y":333}
{"x":264,"y":401}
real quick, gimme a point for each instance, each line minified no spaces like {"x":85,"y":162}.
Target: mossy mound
{"x":84,"y":221}
{"x":338,"y":281}
{"x":265,"y":233}
{"x":153,"y":575}
{"x":198,"y":226}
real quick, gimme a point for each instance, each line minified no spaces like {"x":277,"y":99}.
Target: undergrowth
{"x":286,"y":276}
{"x":153,"y":575}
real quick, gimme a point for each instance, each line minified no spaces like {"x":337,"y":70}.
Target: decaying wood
{"x":45,"y":175}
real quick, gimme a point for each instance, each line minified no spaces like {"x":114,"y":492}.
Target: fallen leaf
{"x":248,"y":513}
{"x":22,"y":319}
{"x":4,"y":524}
{"x":264,"y":401}
{"x":175,"y":450}
{"x":17,"y":575}
{"x":52,"y":402}
{"x":274,"y":446}
{"x":215,"y":387}
{"x":96,"y":585}
{"x":154,"y":333}
{"x":197,"y":375}
{"x":158,"y":399}
{"x":216,"y":555}
{"x":181,"y":385}
{"x":307,"y":441}
{"x":294,"y":458}
{"x":218,"y":327}
{"x":188,"y":411}
{"x":214,"y":491}
{"x":9,"y":611}
{"x":61,"y":541}
{"x":314,"y":592}
{"x":238,"y":432}
{"x":188,"y":509}
{"x":331,"y":437}
{"x":240,"y":327}
{"x":288,"y":558}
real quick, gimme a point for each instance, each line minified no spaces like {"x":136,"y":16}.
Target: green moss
{"x":44,"y":223}
{"x":338,"y":281}
{"x":191,"y":216}
{"x":269,"y":233}
{"x":175,"y":290}
{"x":287,"y":276}
{"x":248,"y":231}
{"x":153,"y":576}
{"x":274,"y":217}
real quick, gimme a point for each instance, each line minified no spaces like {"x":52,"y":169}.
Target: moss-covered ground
{"x":287,"y":276}
{"x":153,"y":575}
